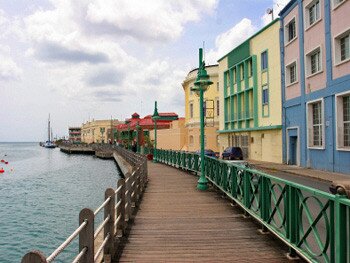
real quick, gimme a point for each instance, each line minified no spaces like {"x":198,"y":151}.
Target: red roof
{"x":147,"y":122}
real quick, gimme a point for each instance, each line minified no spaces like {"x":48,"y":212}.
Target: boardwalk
{"x":177,"y":223}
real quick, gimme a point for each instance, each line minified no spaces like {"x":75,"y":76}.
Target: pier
{"x":156,"y":214}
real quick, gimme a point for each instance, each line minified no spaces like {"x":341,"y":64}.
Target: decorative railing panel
{"x":313,"y":223}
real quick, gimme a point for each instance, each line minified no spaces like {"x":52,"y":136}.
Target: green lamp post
{"x":155,"y":117}
{"x":200,"y":86}
{"x":138,"y":127}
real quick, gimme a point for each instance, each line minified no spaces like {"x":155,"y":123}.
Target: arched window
{"x":191,"y":140}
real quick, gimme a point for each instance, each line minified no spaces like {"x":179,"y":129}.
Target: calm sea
{"x":41,"y":194}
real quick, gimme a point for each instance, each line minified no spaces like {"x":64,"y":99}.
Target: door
{"x":293,"y":143}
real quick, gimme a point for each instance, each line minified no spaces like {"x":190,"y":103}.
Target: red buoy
{"x":6,"y":162}
{"x":2,"y":160}
{"x":2,"y":171}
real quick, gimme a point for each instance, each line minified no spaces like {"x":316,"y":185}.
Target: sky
{"x":81,"y":60}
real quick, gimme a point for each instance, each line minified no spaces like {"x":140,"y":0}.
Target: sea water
{"x":41,"y":194}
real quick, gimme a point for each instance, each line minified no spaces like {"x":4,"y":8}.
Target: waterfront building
{"x":250,"y":96}
{"x":98,"y":131}
{"x":74,"y":134}
{"x":211,"y":111}
{"x":316,"y":84}
{"x":173,"y":138}
{"x":135,"y":126}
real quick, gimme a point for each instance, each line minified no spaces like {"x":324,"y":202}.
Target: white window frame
{"x":265,"y":87}
{"x":286,"y":31}
{"x":287,"y":74}
{"x":339,"y":114}
{"x":307,"y":14}
{"x":336,"y":48}
{"x":335,"y":5}
{"x":308,"y":65}
{"x":310,"y":122}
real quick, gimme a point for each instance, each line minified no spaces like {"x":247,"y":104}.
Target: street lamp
{"x":200,"y":86}
{"x":155,"y":117}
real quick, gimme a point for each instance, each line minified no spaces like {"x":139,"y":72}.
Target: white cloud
{"x":230,"y":39}
{"x":8,"y":67}
{"x":277,"y":6}
{"x":156,"y":20}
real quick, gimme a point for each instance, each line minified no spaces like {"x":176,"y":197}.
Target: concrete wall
{"x":91,"y":130}
{"x":173,"y":138}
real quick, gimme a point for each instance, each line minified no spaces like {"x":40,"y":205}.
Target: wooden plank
{"x":178,"y":223}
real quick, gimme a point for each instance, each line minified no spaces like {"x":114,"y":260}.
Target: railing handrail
{"x":268,"y":198}
{"x":124,"y":189}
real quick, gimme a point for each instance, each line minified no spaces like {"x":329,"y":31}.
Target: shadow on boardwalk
{"x":176,"y":222}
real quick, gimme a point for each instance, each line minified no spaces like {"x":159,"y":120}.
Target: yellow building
{"x":192,"y":117}
{"x":98,"y":131}
{"x":250,"y":96}
{"x":173,"y":138}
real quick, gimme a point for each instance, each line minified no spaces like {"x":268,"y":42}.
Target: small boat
{"x":49,"y":143}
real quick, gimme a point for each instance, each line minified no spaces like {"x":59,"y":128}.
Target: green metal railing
{"x":313,"y":223}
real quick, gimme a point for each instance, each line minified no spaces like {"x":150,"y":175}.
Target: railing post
{"x":293,"y":218}
{"x":109,"y":227}
{"x":121,"y":208}
{"x":265,"y":201}
{"x":86,"y":236}
{"x":246,"y":188}
{"x":128,"y":191}
{"x":34,"y":257}
{"x":341,"y":240}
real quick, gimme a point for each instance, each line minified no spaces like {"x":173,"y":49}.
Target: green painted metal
{"x":238,"y":54}
{"x":255,"y":92}
{"x":201,"y":84}
{"x":313,"y":223}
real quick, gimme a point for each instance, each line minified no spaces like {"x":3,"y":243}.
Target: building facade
{"x":250,"y":92}
{"x":173,"y":138}
{"x":98,"y":131}
{"x":315,"y":65}
{"x":74,"y":134}
{"x":192,"y":116}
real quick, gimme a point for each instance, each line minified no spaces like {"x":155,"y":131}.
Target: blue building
{"x":315,"y":63}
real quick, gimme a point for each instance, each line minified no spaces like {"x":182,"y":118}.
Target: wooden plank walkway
{"x":178,"y":223}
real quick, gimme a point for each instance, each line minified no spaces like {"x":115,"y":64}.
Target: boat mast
{"x":48,"y":129}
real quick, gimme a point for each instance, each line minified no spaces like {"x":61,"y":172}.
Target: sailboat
{"x":49,"y":143}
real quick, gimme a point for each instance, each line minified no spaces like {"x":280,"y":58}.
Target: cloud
{"x":230,"y":39}
{"x":108,"y":95}
{"x":51,"y":52}
{"x":9,"y":70}
{"x":277,"y":6}
{"x":155,"y":20}
{"x":105,"y":77}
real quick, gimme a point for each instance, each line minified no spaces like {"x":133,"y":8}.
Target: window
{"x":315,"y":124}
{"x":241,"y":67}
{"x":291,"y":73}
{"x":314,"y":62}
{"x":191,"y":91}
{"x":343,"y":121}
{"x":205,"y":108}
{"x":290,"y":31}
{"x":191,"y":140}
{"x":234,"y":75}
{"x":264,"y":60}
{"x":217,"y":107}
{"x":342,"y":47}
{"x":191,"y":110}
{"x":217,"y":86}
{"x":336,"y":3}
{"x":265,"y":95}
{"x":313,"y":12}
{"x":250,"y":68}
